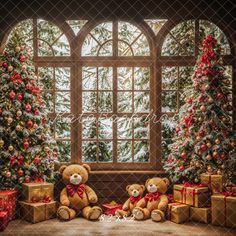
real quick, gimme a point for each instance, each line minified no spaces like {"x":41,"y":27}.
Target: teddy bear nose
{"x":75,"y":176}
{"x":151,"y":185}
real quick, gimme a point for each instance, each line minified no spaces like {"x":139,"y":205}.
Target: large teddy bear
{"x":76,"y":197}
{"x":155,"y":202}
{"x":135,"y":192}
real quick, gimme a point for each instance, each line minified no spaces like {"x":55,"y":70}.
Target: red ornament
{"x":203,"y":147}
{"x":203,"y":108}
{"x":222,"y":156}
{"x":184,"y":155}
{"x":5,"y":64}
{"x":12,"y":94}
{"x":220,"y":95}
{"x":181,"y":168}
{"x":28,"y":107}
{"x":20,"y":172}
{"x":37,"y":160}
{"x":29,"y":86}
{"x":36,"y":111}
{"x":201,"y":98}
{"x":27,"y":179}
{"x":201,"y":133}
{"x":22,"y":58}
{"x":190,"y":101}
{"x":30,"y":123}
{"x":26,"y":144}
{"x":19,"y":96}
{"x":177,"y":129}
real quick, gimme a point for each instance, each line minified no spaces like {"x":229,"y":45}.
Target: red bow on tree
{"x":72,"y":189}
{"x":152,"y":196}
{"x":134,"y":199}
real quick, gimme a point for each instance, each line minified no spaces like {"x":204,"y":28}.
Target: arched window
{"x":45,"y":41}
{"x":178,"y":55}
{"x":116,"y":96}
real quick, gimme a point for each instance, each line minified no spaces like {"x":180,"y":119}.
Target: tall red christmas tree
{"x":204,"y":140}
{"x":27,"y":151}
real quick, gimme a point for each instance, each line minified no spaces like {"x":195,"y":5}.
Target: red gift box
{"x":111,"y":208}
{"x":8,"y":200}
{"x":4,"y":220}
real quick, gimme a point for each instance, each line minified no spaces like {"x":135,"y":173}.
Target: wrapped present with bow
{"x":202,"y":215}
{"x":8,"y":200}
{"x":111,"y":208}
{"x":37,"y":212}
{"x":37,"y":192}
{"x":196,"y":195}
{"x":214,"y":182}
{"x":231,"y":188}
{"x":4,"y":220}
{"x":223,"y":207}
{"x":178,"y":212}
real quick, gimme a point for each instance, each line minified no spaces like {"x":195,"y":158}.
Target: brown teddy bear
{"x":155,"y":202}
{"x":135,"y":192}
{"x":77,"y":196}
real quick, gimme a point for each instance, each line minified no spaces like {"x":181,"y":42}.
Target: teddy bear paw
{"x":138,"y":214}
{"x":157,"y":215}
{"x":63,"y":214}
{"x":96,"y":212}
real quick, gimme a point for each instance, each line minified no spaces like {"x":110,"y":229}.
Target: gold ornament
{"x":210,"y":100}
{"x":197,"y":164}
{"x":10,"y":68}
{"x":18,"y":127}
{"x":208,"y":157}
{"x":200,"y":119}
{"x":223,"y":167}
{"x":208,"y":144}
{"x":17,"y":49}
{"x":9,"y":120}
{"x":219,"y":172}
{"x":35,"y":126}
{"x":10,"y":148}
{"x":215,"y":154}
{"x":196,"y":180}
{"x":19,"y":113}
{"x":217,"y":141}
{"x":8,"y":174}
{"x":209,"y":169}
{"x":1,"y":143}
{"x":203,"y":108}
{"x":198,"y":138}
{"x":46,"y":149}
{"x":23,"y":67}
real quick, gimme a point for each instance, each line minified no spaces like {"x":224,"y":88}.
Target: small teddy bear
{"x":155,"y":202}
{"x":135,"y":192}
{"x":77,"y":196}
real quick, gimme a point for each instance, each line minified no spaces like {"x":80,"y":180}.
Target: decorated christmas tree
{"x":26,"y":148}
{"x":204,"y":140}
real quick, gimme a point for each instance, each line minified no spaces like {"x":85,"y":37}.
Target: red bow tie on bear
{"x":72,"y":189}
{"x":134,"y":199}
{"x":152,"y":196}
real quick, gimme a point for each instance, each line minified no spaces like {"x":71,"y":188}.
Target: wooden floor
{"x":110,"y":227}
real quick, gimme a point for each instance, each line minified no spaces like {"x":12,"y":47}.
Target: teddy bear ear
{"x":147,"y":182}
{"x":127,"y":187}
{"x":87,"y":167}
{"x":62,"y":168}
{"x":143,"y":187}
{"x":167,"y":181}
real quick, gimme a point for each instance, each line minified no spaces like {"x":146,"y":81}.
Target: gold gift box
{"x":37,"y":212}
{"x":202,"y":215}
{"x":37,"y":190}
{"x":197,"y":196}
{"x":178,"y":212}
{"x":223,"y":210}
{"x":214,"y":182}
{"x":231,"y":189}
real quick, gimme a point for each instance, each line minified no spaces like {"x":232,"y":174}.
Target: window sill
{"x":115,"y":172}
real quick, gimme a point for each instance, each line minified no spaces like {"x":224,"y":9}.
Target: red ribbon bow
{"x":134,"y":199}
{"x":229,"y":194}
{"x":72,"y":189}
{"x":152,"y":196}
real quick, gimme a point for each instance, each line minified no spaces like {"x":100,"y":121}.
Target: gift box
{"x":8,"y":200}
{"x":37,"y":212}
{"x":194,"y":195}
{"x":111,"y":208}
{"x":231,"y":188}
{"x":4,"y":220}
{"x":202,"y":215}
{"x":223,"y":208}
{"x":36,"y":192}
{"x":214,"y":182}
{"x":178,"y":212}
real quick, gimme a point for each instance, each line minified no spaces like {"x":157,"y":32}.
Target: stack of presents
{"x":37,"y":204}
{"x":207,"y":202}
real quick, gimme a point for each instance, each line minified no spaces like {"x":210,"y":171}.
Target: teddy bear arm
{"x":92,"y":196}
{"x":125,"y":206}
{"x":163,"y":203}
{"x":141,"y":203}
{"x":64,"y":198}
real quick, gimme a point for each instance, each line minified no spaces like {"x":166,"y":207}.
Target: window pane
{"x":106,"y":49}
{"x":62,"y":101}
{"x":105,"y":128}
{"x":89,"y":78}
{"x":140,"y":128}
{"x":124,"y":75}
{"x":141,"y":151}
{"x":141,"y":101}
{"x":169,"y":78}
{"x":89,"y":101}
{"x":63,"y":128}
{"x":105,"y":151}
{"x":141,"y":78}
{"x":89,"y":128}
{"x":124,"y":101}
{"x":64,"y":150}
{"x":169,"y":101}
{"x":155,"y":24}
{"x":105,"y":78}
{"x":124,"y":128}
{"x":124,"y":151}
{"x":105,"y":102}
{"x":89,"y":150}
{"x":62,"y":78}
{"x":48,"y":99}
{"x":185,"y":75}
{"x":76,"y":25}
